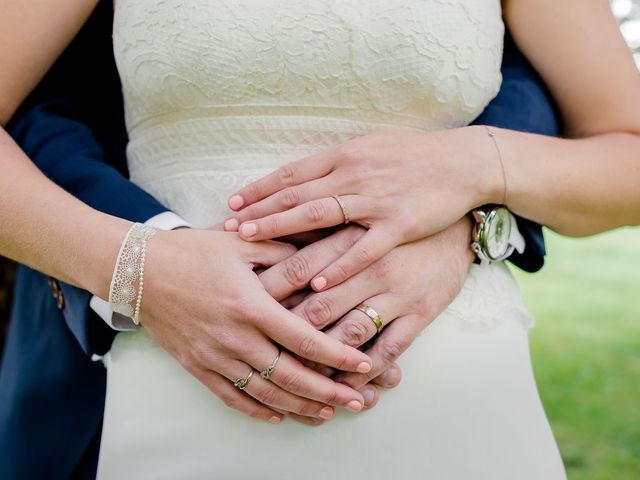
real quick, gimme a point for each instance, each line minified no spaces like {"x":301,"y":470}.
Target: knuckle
{"x":296,"y":270}
{"x":318,"y":312}
{"x":225,"y":340}
{"x":308,"y":347}
{"x":290,"y":197}
{"x":254,"y":190}
{"x":331,"y":398}
{"x":340,"y":273}
{"x":355,"y":333}
{"x":383,"y":267}
{"x":286,"y":174}
{"x":391,"y":350}
{"x":351,"y":152}
{"x":292,"y":382}
{"x":364,"y":255}
{"x":267,"y":395}
{"x":272,"y":225}
{"x":315,"y":212}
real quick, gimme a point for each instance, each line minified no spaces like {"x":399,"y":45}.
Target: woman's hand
{"x":207,"y":308}
{"x":408,"y":287}
{"x":401,"y":186}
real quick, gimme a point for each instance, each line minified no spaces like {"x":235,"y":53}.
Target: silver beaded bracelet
{"x":127,"y":283}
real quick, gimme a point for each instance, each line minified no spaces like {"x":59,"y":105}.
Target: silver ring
{"x":372,"y":314}
{"x":242,"y":383}
{"x":267,"y":372}
{"x":343,"y":207}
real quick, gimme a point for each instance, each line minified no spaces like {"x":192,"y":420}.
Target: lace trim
{"x":127,"y":283}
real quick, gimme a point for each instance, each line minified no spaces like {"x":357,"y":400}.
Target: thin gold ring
{"x":242,"y":383}
{"x":267,"y":372}
{"x":372,"y":314}
{"x":343,"y":207}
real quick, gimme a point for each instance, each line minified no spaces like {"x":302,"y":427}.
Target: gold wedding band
{"x":343,"y":207}
{"x":267,"y":372}
{"x":372,"y":314}
{"x":242,"y":383}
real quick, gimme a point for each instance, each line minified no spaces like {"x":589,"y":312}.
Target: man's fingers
{"x":294,"y":173}
{"x":360,"y":324}
{"x":268,"y":253}
{"x":296,"y":271}
{"x":390,"y":378}
{"x":376,"y":243}
{"x":234,"y":398}
{"x":388,"y":347}
{"x":321,"y":213}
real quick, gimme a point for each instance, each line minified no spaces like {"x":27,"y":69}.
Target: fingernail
{"x":326,"y":413}
{"x":354,"y":406}
{"x":364,"y":367}
{"x":369,"y":394}
{"x":249,"y":229}
{"x":231,"y":225}
{"x":236,"y":202}
{"x":275,"y":420}
{"x":319,"y":283}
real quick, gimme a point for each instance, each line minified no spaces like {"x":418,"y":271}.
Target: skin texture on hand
{"x":381,"y":179}
{"x":208,"y":309}
{"x":408,"y":287}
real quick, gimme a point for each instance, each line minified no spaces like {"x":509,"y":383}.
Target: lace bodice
{"x":218,"y":92}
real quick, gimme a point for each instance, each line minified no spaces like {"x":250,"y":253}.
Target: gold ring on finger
{"x":372,"y":314}
{"x":242,"y":383}
{"x":267,"y":372}
{"x":343,"y":207}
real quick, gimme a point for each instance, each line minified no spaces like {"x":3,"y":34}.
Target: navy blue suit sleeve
{"x":523,"y":104}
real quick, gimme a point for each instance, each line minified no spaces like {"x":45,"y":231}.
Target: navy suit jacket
{"x":51,"y":393}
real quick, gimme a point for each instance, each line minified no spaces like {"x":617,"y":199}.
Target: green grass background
{"x":586,"y":350}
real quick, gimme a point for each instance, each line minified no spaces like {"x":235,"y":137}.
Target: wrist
{"x":106,"y":243}
{"x":488,"y":164}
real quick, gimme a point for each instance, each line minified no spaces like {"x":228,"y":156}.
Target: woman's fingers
{"x":287,"y":199}
{"x":299,"y":337}
{"x":322,"y":213}
{"x":294,"y":173}
{"x":376,"y":243}
{"x":292,"y":376}
{"x":388,"y":346}
{"x":234,"y":398}
{"x":269,"y":253}
{"x":270,"y":394}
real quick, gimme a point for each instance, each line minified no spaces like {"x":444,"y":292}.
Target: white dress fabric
{"x":220,"y":92}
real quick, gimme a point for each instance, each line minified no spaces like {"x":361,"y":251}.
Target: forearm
{"x":46,"y":228}
{"x":576,"y":187}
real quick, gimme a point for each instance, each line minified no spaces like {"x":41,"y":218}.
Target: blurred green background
{"x":586,"y":350}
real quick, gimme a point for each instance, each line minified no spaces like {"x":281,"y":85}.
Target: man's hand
{"x":207,"y":308}
{"x":409,"y":287}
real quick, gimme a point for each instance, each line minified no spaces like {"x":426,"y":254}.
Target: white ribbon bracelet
{"x":127,"y":283}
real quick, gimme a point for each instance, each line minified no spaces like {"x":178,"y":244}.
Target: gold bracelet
{"x":492,"y":134}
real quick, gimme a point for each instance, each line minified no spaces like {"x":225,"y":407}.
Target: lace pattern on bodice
{"x":220,"y":92}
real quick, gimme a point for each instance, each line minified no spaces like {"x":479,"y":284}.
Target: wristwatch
{"x":495,"y":234}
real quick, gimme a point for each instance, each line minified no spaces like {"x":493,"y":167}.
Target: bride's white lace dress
{"x":219,"y":92}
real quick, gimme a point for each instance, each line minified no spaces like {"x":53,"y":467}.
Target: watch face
{"x":498,"y":226}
